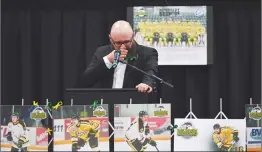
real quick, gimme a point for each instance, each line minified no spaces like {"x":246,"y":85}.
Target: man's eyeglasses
{"x":126,"y":43}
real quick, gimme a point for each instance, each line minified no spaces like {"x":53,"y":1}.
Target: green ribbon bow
{"x":94,"y":104}
{"x":131,"y":58}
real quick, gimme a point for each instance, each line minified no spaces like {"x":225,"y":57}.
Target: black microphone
{"x":116,"y":58}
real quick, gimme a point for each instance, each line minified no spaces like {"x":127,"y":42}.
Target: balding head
{"x":121,"y":31}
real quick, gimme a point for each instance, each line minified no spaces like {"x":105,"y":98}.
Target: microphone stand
{"x":149,"y":75}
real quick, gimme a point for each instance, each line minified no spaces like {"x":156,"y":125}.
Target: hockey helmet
{"x":15,"y":114}
{"x":216,"y":126}
{"x":75,"y":116}
{"x":143,"y":113}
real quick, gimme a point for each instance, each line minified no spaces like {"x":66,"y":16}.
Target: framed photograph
{"x":81,"y":128}
{"x":210,"y":135}
{"x":253,"y":124}
{"x":24,"y":128}
{"x":142,"y":127}
{"x":253,"y":115}
{"x":182,"y":35}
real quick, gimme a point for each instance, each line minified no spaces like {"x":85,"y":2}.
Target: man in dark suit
{"x":100,"y":69}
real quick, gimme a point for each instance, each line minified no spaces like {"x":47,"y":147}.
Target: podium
{"x":77,"y":96}
{"x":110,"y":96}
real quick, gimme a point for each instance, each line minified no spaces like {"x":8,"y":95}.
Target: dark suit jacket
{"x":97,"y":72}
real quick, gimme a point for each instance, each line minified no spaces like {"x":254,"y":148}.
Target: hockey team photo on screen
{"x":142,"y":127}
{"x":81,"y":128}
{"x":24,"y":128}
{"x":179,"y":33}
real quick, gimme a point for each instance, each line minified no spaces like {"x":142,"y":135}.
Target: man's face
{"x":14,"y":119}
{"x":123,"y":41}
{"x":75,"y":121}
{"x":217,"y":131}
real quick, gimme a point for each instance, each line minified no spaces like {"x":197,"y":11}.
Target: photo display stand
{"x":221,"y":113}
{"x":129,"y":101}
{"x":191,"y":114}
{"x":160,"y":102}
{"x":50,"y":126}
{"x":111,"y":110}
{"x":253,"y":126}
{"x":170,"y":125}
{"x":23,"y":101}
{"x":250,"y":102}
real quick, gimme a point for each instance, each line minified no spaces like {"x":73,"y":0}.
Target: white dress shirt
{"x":119,"y":73}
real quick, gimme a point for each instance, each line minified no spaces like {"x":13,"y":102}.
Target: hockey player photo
{"x":81,"y":128}
{"x":83,"y":131}
{"x":142,"y":127}
{"x":253,"y":115}
{"x":225,"y":137}
{"x":210,"y":135}
{"x":253,"y":126}
{"x":19,"y":132}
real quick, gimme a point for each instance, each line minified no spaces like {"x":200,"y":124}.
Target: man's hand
{"x":111,"y":55}
{"x":123,"y":54}
{"x":144,"y":88}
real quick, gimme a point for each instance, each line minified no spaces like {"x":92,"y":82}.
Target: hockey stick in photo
{"x":156,"y":148}
{"x":167,"y":126}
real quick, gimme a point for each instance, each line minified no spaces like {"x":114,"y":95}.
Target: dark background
{"x":47,"y":44}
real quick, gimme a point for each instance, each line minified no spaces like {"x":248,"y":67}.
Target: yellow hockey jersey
{"x":82,"y":130}
{"x":225,"y":137}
